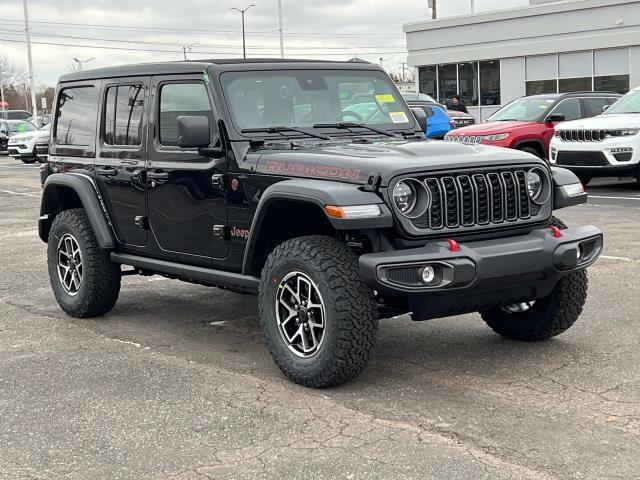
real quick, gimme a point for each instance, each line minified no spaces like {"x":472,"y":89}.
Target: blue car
{"x":438,"y":122}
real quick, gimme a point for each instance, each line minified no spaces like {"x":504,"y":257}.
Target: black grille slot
{"x":497,"y":204}
{"x":435,"y":212}
{"x":451,"y":202}
{"x":584,"y":159}
{"x":483,"y":200}
{"x":521,"y":179}
{"x":466,"y":200}
{"x":472,"y":199}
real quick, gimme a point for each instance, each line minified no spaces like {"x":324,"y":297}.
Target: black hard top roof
{"x":197,"y":66}
{"x":575,"y":94}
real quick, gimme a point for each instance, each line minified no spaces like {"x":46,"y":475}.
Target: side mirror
{"x":193,"y":131}
{"x":555,"y":117}
{"x":421,"y":118}
{"x":605,"y":107}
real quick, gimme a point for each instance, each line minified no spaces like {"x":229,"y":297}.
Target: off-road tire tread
{"x":102,"y":277}
{"x":356,"y":308}
{"x":565,"y":304}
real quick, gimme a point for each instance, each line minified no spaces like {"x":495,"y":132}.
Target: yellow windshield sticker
{"x":398,"y":117}
{"x":543,"y":107}
{"x":386,"y":98}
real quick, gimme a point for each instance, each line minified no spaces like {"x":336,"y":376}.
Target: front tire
{"x":84,"y":280}
{"x":28,"y":161}
{"x":544,"y":318}
{"x":318,"y":318}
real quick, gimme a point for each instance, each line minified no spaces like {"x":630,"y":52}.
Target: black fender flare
{"x":561,"y":199}
{"x":532,"y":140}
{"x":87,"y":192}
{"x":319,"y":193}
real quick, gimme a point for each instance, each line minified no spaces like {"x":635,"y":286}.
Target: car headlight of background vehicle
{"x":538,"y":186}
{"x":628,"y":132}
{"x":495,"y":138}
{"x":411,"y":198}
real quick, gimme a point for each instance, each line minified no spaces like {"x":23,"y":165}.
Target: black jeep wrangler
{"x":274,"y":178}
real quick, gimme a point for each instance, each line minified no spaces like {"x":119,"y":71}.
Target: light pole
{"x":280,"y":28}
{"x":28,"y":34}
{"x":244,"y":48}
{"x":80,"y":62}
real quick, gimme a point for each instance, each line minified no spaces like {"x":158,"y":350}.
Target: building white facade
{"x":492,"y":58}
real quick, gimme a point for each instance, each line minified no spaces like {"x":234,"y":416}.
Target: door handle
{"x":157,"y":175}
{"x":107,"y":172}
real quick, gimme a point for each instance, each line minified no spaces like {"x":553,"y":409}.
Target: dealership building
{"x":492,"y":58}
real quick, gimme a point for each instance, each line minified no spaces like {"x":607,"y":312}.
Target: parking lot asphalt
{"x":176,"y":381}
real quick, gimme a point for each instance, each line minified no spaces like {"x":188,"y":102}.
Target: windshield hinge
{"x":373,"y":182}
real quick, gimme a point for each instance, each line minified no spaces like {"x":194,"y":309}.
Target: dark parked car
{"x":14,"y":115}
{"x":460,"y":119}
{"x":256,"y":177}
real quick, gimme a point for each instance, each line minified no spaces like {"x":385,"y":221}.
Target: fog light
{"x":428,"y":274}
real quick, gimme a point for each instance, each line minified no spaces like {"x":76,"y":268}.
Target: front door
{"x":186,"y":197}
{"x":121,"y":156}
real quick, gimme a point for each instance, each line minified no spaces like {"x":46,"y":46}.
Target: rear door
{"x":121,"y":157}
{"x":185,"y":190}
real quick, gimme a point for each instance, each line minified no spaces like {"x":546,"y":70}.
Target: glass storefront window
{"x":490,"y":82}
{"x":567,"y":85}
{"x":539,"y":87}
{"x":447,"y":82}
{"x":612,"y":83}
{"x":468,"y":83}
{"x":428,"y":80}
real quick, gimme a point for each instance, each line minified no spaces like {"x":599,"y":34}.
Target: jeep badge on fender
{"x":311,"y":185}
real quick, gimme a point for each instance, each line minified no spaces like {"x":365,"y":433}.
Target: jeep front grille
{"x":476,"y":199}
{"x":583,"y":135}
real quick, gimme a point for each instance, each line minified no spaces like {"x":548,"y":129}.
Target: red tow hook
{"x":556,"y":231}
{"x":453,"y":245}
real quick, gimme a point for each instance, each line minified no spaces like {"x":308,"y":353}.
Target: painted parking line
{"x":622,"y":259}
{"x":614,"y":198}
{"x":11,"y":192}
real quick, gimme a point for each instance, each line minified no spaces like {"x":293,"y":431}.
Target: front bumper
{"x":621,"y":156}
{"x":21,"y":149}
{"x":481,"y":274}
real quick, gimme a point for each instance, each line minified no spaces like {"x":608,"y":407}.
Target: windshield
{"x":525,"y":109}
{"x":20,"y":127}
{"x":630,"y":103}
{"x":304,"y":98}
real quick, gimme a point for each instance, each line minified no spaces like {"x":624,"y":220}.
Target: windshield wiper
{"x":350,"y":125}
{"x":281,"y":130}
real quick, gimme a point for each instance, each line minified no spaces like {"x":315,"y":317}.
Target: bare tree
{"x":10,"y":73}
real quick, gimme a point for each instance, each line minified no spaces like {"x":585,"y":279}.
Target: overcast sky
{"x":332,"y":29}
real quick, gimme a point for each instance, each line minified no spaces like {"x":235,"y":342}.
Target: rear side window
{"x":177,"y":99}
{"x":123,"y":115}
{"x":593,"y":106}
{"x":77,"y":114}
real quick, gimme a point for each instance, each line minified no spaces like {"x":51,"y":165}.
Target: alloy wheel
{"x":70,"y":267}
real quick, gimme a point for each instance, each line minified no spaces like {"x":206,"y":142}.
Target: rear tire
{"x":84,"y":280}
{"x":28,"y":160}
{"x":346,"y":308}
{"x":544,"y":318}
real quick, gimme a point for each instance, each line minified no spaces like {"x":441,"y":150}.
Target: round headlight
{"x":404,"y":196}
{"x":534,"y":184}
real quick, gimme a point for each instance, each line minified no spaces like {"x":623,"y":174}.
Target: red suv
{"x":527,"y":123}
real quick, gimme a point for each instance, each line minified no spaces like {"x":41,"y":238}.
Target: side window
{"x":76,"y":117}
{"x":123,"y":115}
{"x":177,"y":99}
{"x":570,"y":108}
{"x":593,"y":106}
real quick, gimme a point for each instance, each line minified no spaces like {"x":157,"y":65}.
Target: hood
{"x":612,"y":121}
{"x":33,"y":133}
{"x":492,"y":128}
{"x":353,"y":162}
{"x":457,"y":114}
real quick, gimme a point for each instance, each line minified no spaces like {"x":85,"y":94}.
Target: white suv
{"x":602,"y":146}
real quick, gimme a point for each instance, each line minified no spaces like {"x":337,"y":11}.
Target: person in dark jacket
{"x":457,"y":105}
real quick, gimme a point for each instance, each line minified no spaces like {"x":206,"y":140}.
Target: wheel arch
{"x":66,"y":191}
{"x":532,"y":143}
{"x":294,"y":208}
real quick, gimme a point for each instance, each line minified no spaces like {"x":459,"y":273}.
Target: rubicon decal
{"x":323,"y":171}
